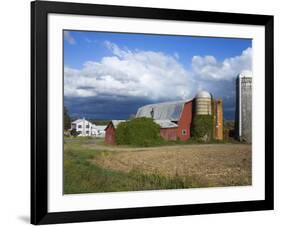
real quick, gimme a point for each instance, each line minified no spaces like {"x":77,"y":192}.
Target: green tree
{"x":202,"y":127}
{"x":66,"y":119}
{"x":139,"y":132}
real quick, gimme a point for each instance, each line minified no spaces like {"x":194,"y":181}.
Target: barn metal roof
{"x":166,"y":124}
{"x":163,"y":111}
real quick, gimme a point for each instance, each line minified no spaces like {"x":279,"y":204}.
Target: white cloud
{"x":69,"y":38}
{"x":152,"y":75}
{"x":209,"y":68}
{"x":147,"y":74}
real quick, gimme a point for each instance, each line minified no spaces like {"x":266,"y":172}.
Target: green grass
{"x":159,"y":143}
{"x":82,"y":176}
{"x":191,"y":141}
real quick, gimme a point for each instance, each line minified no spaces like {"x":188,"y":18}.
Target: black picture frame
{"x":39,"y":112}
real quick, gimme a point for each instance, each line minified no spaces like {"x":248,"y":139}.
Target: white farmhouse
{"x":86,"y":128}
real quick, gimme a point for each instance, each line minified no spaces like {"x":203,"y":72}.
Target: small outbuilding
{"x":110,"y":131}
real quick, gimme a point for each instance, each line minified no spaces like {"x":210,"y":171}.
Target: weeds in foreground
{"x":82,"y":176}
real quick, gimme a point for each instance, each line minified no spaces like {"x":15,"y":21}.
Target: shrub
{"x":138,"y":132}
{"x":74,"y":133}
{"x":121,"y":132}
{"x":202,"y":127}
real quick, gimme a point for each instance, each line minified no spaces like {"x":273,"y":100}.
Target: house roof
{"x":81,"y":120}
{"x":163,"y":111}
{"x":77,"y":121}
{"x":114,"y":123}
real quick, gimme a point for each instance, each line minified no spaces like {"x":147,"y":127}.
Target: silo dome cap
{"x":203,"y":94}
{"x":245,"y":73}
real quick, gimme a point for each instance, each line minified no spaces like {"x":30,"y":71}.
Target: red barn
{"x":175,"y":116}
{"x":174,"y":119}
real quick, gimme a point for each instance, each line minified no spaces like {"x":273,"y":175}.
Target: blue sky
{"x":109,"y":75}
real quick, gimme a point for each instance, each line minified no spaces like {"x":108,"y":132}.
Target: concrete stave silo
{"x":243,"y":119}
{"x":203,"y":103}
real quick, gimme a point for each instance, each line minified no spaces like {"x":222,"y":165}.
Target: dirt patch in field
{"x":209,"y":165}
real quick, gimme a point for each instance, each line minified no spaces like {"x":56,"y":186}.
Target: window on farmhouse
{"x":79,"y":126}
{"x":87,"y":126}
{"x":183,"y":132}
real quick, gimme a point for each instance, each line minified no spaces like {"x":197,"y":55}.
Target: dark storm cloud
{"x":108,"y":107}
{"x":104,"y":107}
{"x":121,"y":107}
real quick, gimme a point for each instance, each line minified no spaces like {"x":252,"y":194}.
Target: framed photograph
{"x":145,"y":112}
